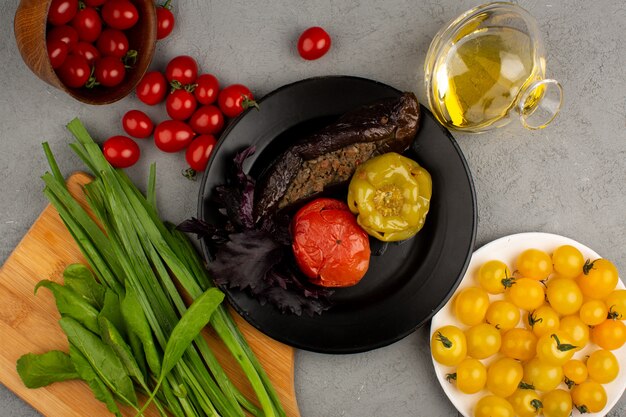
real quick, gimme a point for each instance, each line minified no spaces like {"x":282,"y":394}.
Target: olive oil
{"x":481,"y":76}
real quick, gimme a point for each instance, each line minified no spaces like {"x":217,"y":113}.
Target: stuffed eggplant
{"x":330,"y":156}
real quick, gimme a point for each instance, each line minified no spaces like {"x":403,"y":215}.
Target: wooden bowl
{"x":30,"y":33}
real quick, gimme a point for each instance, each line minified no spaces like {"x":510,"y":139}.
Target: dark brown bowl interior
{"x":30,"y":34}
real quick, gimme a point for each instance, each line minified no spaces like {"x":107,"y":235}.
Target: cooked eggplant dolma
{"x":330,"y":156}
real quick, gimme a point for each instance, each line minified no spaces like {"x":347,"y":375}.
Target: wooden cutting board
{"x":29,"y":323}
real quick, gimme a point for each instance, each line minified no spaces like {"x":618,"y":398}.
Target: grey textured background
{"x":568,"y":179}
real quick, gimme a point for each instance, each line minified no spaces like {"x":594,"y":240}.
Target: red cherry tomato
{"x":120,"y":14}
{"x":137,"y":124}
{"x":207,"y":120}
{"x":165,"y":22}
{"x":330,"y":247}
{"x":87,"y":51}
{"x":112,"y":42}
{"x":234,"y":99}
{"x":172,"y":135}
{"x":199,"y":151}
{"x":57,"y":52}
{"x":207,"y":89}
{"x":94,"y":3}
{"x":183,"y":69}
{"x":180,"y":105}
{"x":313,"y":43}
{"x":88,"y":24}
{"x":152,"y":88}
{"x":62,"y":11}
{"x":74,"y":72}
{"x":109,"y":71}
{"x":65,"y":34}
{"x":120,"y":151}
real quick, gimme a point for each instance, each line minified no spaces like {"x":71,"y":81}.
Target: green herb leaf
{"x":189,"y":326}
{"x":102,"y":359}
{"x":112,"y":312}
{"x":87,"y":374}
{"x":79,"y":278}
{"x":70,"y":304}
{"x":113,"y":338}
{"x":136,"y":323}
{"x":40,"y":370}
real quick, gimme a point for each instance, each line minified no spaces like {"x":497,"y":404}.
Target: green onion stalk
{"x":136,"y":255}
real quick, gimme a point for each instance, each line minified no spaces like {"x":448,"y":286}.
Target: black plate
{"x":405,"y":286}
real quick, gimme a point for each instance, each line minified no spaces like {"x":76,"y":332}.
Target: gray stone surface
{"x":568,"y":179}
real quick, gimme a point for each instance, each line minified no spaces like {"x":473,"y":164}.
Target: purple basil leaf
{"x":242,"y":261}
{"x":217,"y":235}
{"x":290,"y":301}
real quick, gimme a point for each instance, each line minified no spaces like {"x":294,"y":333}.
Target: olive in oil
{"x":481,"y":76}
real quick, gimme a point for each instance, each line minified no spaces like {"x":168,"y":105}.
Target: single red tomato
{"x":207,"y":89}
{"x":234,"y":99}
{"x":120,"y":151}
{"x":87,"y":51}
{"x":165,"y":21}
{"x":57,"y":52}
{"x":152,"y":88}
{"x":62,"y":11}
{"x":183,"y":69}
{"x":112,"y":42}
{"x":88,"y":24}
{"x":207,"y":120}
{"x":65,"y":34}
{"x":180,"y":104}
{"x":120,"y":14}
{"x":313,"y":43}
{"x":74,"y":72}
{"x":109,"y":71}
{"x":137,"y":124}
{"x":199,"y":151}
{"x":172,"y":135}
{"x":330,"y":248}
{"x":94,"y":3}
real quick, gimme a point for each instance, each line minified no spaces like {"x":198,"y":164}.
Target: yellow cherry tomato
{"x":494,"y":277}
{"x":555,"y":348}
{"x":598,"y":279}
{"x":593,"y":312}
{"x":526,"y":293}
{"x":493,"y":406}
{"x":503,"y":376}
{"x":542,"y":375}
{"x":448,"y":345}
{"x":609,"y":335}
{"x":502,"y":314}
{"x":589,"y":397}
{"x":568,"y":261}
{"x":576,"y":329}
{"x":557,"y":403}
{"x":483,"y":340}
{"x":519,"y":344}
{"x":534,"y":264}
{"x":616,"y":303}
{"x":575,"y":372}
{"x":470,"y":305}
{"x":602,"y":366}
{"x":470,"y":376}
{"x":526,"y":403}
{"x":564,"y":295}
{"x":542,"y":320}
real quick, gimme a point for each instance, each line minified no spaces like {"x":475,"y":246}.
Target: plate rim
{"x":462,"y":270}
{"x":453,"y":396}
